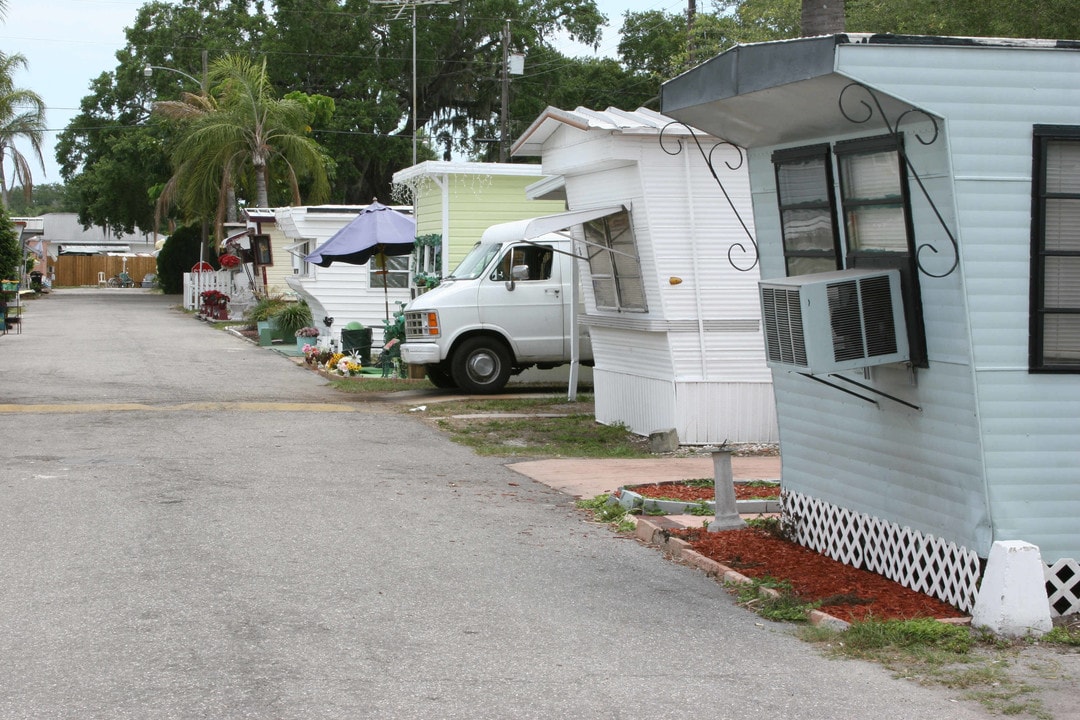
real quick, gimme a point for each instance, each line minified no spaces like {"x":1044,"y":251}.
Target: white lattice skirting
{"x":1063,"y":586}
{"x":915,"y":560}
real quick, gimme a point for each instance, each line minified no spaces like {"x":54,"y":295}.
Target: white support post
{"x":1012,"y":598}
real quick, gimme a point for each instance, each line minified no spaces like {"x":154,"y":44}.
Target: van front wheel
{"x":440,"y":377}
{"x":481,"y":366}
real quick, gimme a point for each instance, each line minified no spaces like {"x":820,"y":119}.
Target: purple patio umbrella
{"x":378,"y":231}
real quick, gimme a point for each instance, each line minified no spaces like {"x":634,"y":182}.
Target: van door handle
{"x":552,"y":291}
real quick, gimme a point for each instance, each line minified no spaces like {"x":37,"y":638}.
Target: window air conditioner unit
{"x":834,"y":321}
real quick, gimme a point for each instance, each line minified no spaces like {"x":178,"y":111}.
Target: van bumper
{"x":422,"y":353}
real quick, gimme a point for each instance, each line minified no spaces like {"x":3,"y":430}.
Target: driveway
{"x":194,"y":527}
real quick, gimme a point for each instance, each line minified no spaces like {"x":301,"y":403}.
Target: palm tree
{"x":22,"y":116}
{"x":237,"y":136}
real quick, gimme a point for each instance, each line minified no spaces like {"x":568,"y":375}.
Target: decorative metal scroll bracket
{"x":708,"y":157}
{"x":864,"y":112}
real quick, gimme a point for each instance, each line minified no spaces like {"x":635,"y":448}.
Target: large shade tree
{"x":22,"y":117}
{"x":113,"y":153}
{"x":356,"y":52}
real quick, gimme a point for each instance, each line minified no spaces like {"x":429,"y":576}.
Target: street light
{"x":148,"y":71}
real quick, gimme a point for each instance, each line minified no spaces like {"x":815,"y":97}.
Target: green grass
{"x":604,"y":511}
{"x":376,"y":384}
{"x":935,"y":653}
{"x":1062,"y":636}
{"x":549,"y":427}
{"x":785,"y":607}
{"x":571,"y":436}
{"x":929,"y":634}
{"x":700,"y":508}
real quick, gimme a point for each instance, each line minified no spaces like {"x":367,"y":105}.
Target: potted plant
{"x":306,"y":336}
{"x":215,"y":304}
{"x":292,"y":316}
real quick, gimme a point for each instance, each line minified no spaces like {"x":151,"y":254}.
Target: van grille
{"x":414,"y":325}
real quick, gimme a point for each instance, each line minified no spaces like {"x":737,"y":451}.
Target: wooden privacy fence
{"x":81,"y":270}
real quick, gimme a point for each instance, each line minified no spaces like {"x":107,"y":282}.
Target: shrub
{"x":292,"y":316}
{"x":179,"y":254}
{"x":10,"y":249}
{"x":265,"y":308}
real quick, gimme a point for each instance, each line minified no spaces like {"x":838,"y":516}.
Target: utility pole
{"x":505,"y":121}
{"x":691,"y":44}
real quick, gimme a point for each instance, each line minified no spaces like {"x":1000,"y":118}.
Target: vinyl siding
{"x":695,"y":360}
{"x":1030,"y":423}
{"x":472,"y":201}
{"x":917,"y":468}
{"x":340,"y":291}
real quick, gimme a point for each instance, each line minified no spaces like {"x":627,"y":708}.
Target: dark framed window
{"x":804,"y":187}
{"x":395,"y":273}
{"x":871,"y":191}
{"x":1055,"y":250}
{"x":613,"y":263}
{"x":878,"y":231}
{"x":262,"y":250}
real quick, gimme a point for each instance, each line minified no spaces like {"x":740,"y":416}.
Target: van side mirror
{"x":520,"y":272}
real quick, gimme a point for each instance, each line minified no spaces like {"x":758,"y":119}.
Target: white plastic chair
{"x":101,"y":280}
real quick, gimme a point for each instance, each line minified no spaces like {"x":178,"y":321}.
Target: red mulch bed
{"x":846,"y":592}
{"x":691,"y":493}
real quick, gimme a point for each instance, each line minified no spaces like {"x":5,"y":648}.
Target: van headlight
{"x":421,"y":324}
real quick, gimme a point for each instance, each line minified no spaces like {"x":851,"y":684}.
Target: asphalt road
{"x":194,"y":527}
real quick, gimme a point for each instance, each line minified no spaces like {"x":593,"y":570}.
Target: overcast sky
{"x":68,"y":43}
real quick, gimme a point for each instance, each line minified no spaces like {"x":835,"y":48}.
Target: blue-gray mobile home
{"x":917,"y":210}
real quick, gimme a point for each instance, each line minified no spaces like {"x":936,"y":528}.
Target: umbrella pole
{"x":385,"y":292}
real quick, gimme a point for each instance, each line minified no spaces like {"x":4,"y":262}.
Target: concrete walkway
{"x":586,"y":477}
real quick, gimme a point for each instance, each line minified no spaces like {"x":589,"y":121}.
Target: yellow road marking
{"x":196,"y":406}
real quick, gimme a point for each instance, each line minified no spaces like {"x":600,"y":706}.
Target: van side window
{"x":533,"y":262}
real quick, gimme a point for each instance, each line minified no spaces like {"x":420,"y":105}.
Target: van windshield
{"x":474,"y":264}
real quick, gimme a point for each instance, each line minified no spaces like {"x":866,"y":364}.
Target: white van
{"x":507,"y":307}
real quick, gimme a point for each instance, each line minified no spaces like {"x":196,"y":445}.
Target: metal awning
{"x":532,"y":228}
{"x":556,"y":223}
{"x":299,"y":249}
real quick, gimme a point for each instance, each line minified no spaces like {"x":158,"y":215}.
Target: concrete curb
{"x":630,"y":500}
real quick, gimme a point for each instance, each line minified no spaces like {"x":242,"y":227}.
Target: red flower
{"x":229,"y":261}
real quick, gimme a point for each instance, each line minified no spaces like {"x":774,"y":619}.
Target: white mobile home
{"x":343,"y":292}
{"x":916,"y":204}
{"x":675,"y":327}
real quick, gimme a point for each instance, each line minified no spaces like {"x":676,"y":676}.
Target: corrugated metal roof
{"x":627,"y":122}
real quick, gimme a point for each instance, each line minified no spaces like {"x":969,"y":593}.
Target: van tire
{"x":441,"y":377}
{"x":481,"y":365}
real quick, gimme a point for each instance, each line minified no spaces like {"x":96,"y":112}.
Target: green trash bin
{"x":358,"y":341}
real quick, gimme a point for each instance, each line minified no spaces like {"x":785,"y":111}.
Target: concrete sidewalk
{"x":587,"y":478}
